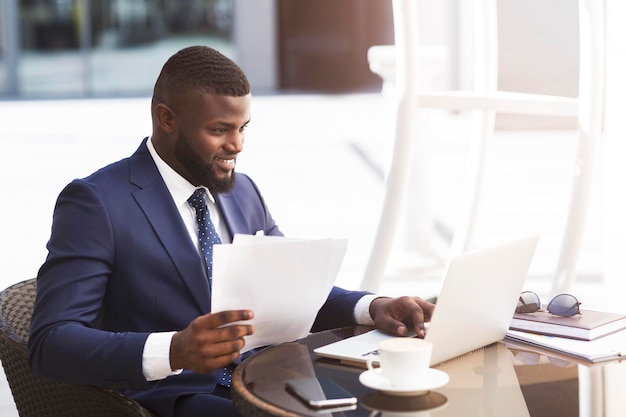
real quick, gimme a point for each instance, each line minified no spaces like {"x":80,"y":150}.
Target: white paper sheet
{"x":604,"y":348}
{"x":284,"y":281}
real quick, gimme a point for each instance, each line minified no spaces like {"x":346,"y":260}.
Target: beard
{"x":201,"y":172}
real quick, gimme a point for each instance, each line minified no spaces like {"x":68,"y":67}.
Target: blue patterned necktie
{"x":207,"y":236}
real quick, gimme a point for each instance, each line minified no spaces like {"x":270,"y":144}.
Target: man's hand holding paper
{"x":284,"y":281}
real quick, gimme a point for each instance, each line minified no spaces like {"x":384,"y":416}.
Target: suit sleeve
{"x":338,"y":310}
{"x":65,"y":342}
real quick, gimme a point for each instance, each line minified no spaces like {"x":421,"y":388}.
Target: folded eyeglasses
{"x":564,"y":305}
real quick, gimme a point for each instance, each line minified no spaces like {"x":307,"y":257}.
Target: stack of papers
{"x":284,"y":281}
{"x":602,"y":349}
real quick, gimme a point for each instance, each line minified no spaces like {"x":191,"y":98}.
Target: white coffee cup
{"x":404,"y":361}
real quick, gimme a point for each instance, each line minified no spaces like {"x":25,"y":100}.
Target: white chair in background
{"x":485,"y":100}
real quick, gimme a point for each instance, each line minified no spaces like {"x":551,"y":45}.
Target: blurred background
{"x":96,"y":48}
{"x":105,"y":48}
{"x":77,"y":74}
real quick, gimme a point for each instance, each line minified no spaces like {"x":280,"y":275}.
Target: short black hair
{"x":202,"y":69}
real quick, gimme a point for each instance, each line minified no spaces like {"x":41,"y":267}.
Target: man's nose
{"x":235,"y":142}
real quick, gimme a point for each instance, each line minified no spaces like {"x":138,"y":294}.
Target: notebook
{"x":474,"y":307}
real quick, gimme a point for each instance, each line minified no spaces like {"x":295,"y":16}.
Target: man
{"x":124,"y":295}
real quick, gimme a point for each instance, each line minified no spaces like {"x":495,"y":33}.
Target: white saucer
{"x":434,"y":379}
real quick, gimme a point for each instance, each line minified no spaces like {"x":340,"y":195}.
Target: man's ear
{"x":165,"y":117}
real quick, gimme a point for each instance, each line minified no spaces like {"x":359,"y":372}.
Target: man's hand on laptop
{"x":401,"y":316}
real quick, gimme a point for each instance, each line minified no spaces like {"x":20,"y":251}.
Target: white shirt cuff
{"x":362,"y":309}
{"x":156,"y":356}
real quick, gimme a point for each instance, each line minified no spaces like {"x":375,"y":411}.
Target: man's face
{"x":210,"y":137}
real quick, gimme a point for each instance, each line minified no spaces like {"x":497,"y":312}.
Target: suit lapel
{"x":156,"y":202}
{"x":232,"y":214}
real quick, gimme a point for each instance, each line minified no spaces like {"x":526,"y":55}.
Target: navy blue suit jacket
{"x":120,"y":266}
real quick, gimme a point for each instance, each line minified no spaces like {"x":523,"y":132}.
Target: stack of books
{"x":588,"y":325}
{"x":592,"y":335}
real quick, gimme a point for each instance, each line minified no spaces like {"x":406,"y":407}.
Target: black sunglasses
{"x":565,"y":305}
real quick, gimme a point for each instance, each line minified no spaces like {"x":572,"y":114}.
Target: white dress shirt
{"x":156,"y":362}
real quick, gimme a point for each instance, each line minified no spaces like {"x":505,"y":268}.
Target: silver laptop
{"x":474,"y":307}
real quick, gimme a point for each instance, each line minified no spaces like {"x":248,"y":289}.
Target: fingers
{"x":427,"y":307}
{"x":418,"y":322}
{"x":210,"y":341}
{"x":402,"y":315}
{"x":421,"y":315}
{"x":408,"y":316}
{"x":223,"y":326}
{"x":222,"y":318}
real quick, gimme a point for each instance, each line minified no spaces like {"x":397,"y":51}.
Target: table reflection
{"x":502,"y":379}
{"x":483,"y":383}
{"x":579,"y":388}
{"x":601,"y":390}
{"x":418,"y":406}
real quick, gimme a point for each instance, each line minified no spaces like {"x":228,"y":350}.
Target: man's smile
{"x":225,"y":164}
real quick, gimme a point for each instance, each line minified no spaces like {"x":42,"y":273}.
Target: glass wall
{"x":8,"y":47}
{"x":110,"y":47}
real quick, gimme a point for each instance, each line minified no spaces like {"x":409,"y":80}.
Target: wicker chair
{"x":36,"y":396}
